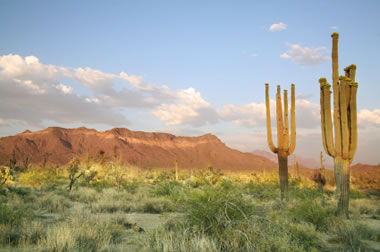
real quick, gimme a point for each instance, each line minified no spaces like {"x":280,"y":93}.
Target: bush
{"x":263,"y":191}
{"x":216,"y":207}
{"x":166,"y":188}
{"x":350,"y":235}
{"x":12,"y":216}
{"x":38,"y":177}
{"x":155,"y":205}
{"x":311,"y":211}
{"x":81,"y":233}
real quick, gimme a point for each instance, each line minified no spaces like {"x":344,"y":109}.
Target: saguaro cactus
{"x":322,"y":169}
{"x":345,"y":125}
{"x":283,"y":149}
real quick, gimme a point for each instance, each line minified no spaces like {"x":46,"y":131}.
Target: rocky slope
{"x":143,"y":149}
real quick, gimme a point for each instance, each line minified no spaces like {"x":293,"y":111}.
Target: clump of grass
{"x":180,"y":240}
{"x":350,"y":234}
{"x":166,"y":188}
{"x":311,"y":211}
{"x":84,"y":195}
{"x":306,"y":236}
{"x":213,"y":208}
{"x":263,"y":191}
{"x":82,"y":232}
{"x":11,"y":219}
{"x":155,"y":205}
{"x":53,"y":203}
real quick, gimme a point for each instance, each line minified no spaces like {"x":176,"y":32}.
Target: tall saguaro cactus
{"x":283,"y":149}
{"x":345,"y":125}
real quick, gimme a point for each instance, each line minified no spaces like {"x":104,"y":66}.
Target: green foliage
{"x":37,"y":177}
{"x":214,"y":208}
{"x":262,"y":191}
{"x":155,"y":206}
{"x":166,"y":188}
{"x":356,"y":194}
{"x":11,"y":216}
{"x":350,"y":235}
{"x":311,"y":211}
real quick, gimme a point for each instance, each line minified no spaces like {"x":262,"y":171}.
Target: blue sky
{"x":212,"y":56}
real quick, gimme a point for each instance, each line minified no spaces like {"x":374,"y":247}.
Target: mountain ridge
{"x":143,"y":149}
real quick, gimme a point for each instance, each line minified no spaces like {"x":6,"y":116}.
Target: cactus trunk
{"x":283,"y":166}
{"x":343,"y":168}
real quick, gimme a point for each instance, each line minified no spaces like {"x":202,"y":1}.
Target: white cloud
{"x":368,"y":117}
{"x":253,"y":54}
{"x":334,"y":27}
{"x":135,"y":80}
{"x":2,"y":122}
{"x":65,"y":89}
{"x":248,"y":115}
{"x":31,"y":92}
{"x":254,"y":114}
{"x":93,"y":100}
{"x":305,"y":55}
{"x":189,"y":108}
{"x":95,"y":79}
{"x":278,"y":27}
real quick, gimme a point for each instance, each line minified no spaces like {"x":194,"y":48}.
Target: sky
{"x":185,"y":67}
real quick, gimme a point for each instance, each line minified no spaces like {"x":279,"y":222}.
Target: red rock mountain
{"x":146,"y":150}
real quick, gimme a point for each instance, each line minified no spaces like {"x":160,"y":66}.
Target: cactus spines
{"x":345,"y":124}
{"x":283,"y":149}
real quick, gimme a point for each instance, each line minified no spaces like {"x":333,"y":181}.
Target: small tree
{"x":74,"y":172}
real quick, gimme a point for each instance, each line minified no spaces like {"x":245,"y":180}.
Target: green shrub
{"x":263,"y":191}
{"x":349,"y":235}
{"x":306,"y":236}
{"x":39,"y":177}
{"x":166,"y":188}
{"x":312,"y":212}
{"x":82,"y":232}
{"x":11,"y":216}
{"x":213,"y":208}
{"x":154,"y":205}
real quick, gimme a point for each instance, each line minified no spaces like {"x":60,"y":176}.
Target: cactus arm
{"x":286,"y":121}
{"x":335,"y":76}
{"x":326,"y":123}
{"x":323,"y":124}
{"x":292,"y":121}
{"x":344,"y":117}
{"x":353,"y":121}
{"x":269,"y":127}
{"x":334,"y":55}
{"x":280,"y":123}
{"x":351,"y":72}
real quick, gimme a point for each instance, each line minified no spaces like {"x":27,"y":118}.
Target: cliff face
{"x":143,"y":149}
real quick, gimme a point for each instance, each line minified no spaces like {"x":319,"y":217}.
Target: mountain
{"x":306,"y":162}
{"x":366,"y":176}
{"x":142,"y":149}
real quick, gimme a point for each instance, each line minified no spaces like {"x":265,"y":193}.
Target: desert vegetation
{"x":145,"y":210}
